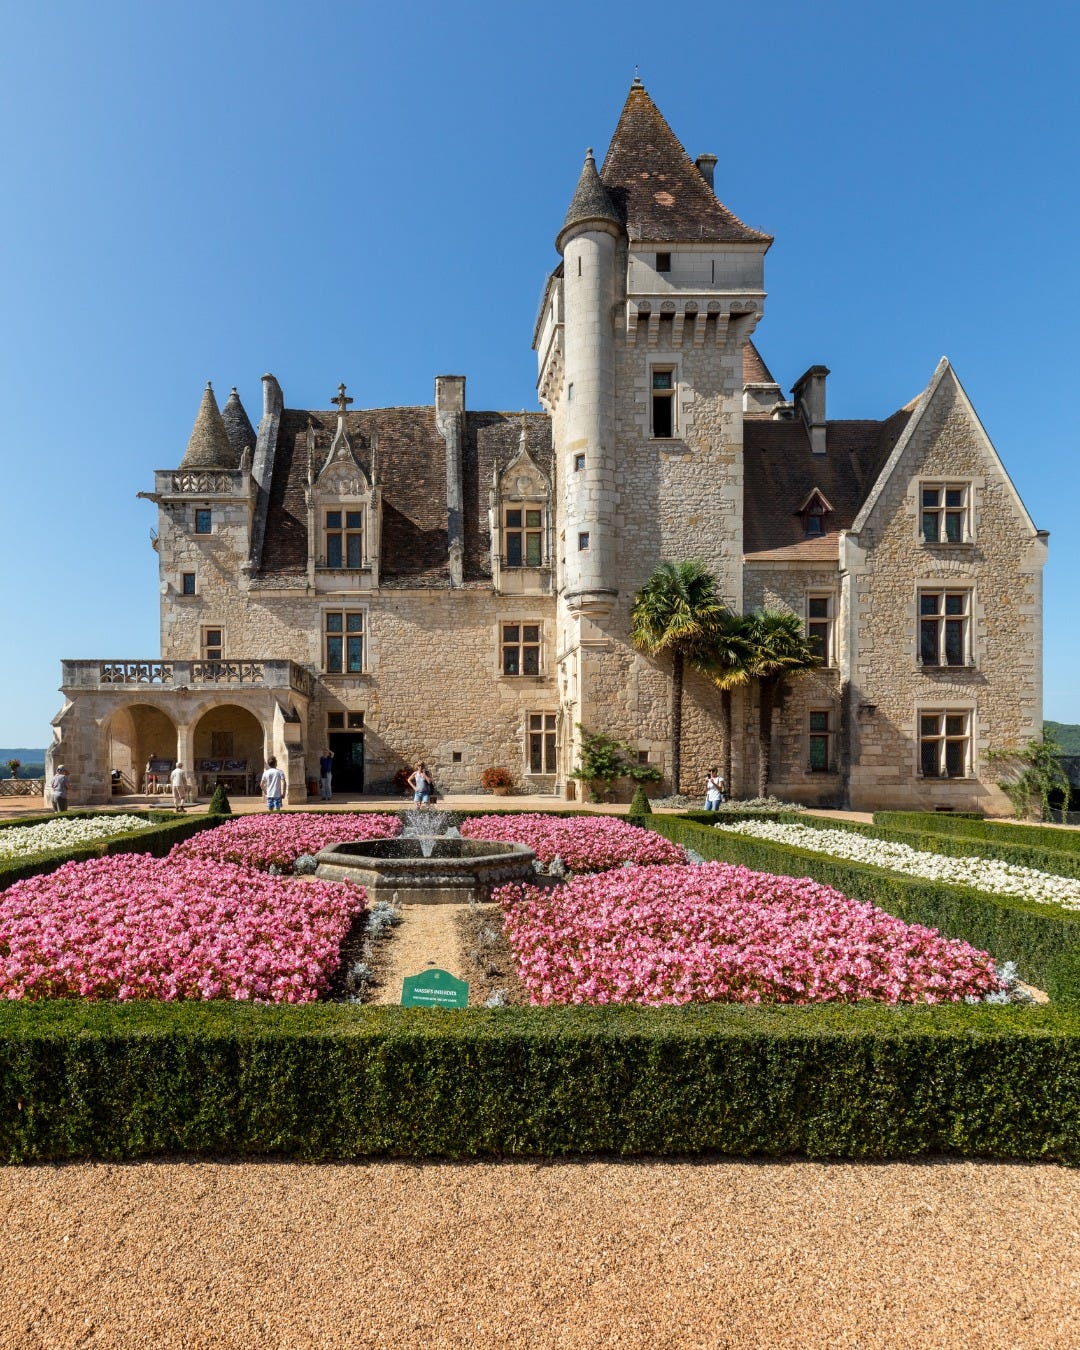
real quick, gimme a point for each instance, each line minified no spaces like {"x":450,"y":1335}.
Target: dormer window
{"x":523,"y":536}
{"x":344,"y":539}
{"x":814,"y":512}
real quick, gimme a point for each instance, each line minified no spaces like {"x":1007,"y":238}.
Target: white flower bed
{"x":981,"y":874}
{"x":64,"y":832}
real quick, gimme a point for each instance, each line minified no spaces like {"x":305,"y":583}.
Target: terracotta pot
{"x":501,"y":791}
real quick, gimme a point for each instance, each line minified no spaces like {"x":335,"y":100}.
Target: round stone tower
{"x":588,"y":242}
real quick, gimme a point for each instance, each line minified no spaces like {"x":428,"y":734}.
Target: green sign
{"x":434,"y":989}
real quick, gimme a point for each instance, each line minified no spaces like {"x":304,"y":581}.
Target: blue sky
{"x":370,"y":193}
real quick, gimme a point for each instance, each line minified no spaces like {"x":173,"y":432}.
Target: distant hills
{"x":32,"y":762}
{"x":1067,"y":735}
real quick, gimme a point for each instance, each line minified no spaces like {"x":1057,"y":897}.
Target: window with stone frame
{"x":820,"y":757}
{"x":542,"y":742}
{"x":662,"y":420}
{"x":520,"y":648}
{"x":944,"y":627}
{"x":187,"y":583}
{"x":212,"y":643}
{"x":203,"y":520}
{"x":523,"y":535}
{"x":343,"y":538}
{"x":944,"y":743}
{"x":945,"y":513}
{"x":343,"y":641}
{"x":820,"y":626}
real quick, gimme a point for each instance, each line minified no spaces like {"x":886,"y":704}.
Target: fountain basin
{"x":457,"y":870}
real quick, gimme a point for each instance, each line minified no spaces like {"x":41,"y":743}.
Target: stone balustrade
{"x":180,"y":675}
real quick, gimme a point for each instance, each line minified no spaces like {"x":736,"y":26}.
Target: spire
{"x":209,"y":446}
{"x":237,"y":426}
{"x":660,"y":189}
{"x":591,"y":201}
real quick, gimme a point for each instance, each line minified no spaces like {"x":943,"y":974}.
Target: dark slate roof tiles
{"x":590,"y":202}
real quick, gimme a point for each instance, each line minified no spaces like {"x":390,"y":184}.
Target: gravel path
{"x":569,"y":1254}
{"x":427,"y":936}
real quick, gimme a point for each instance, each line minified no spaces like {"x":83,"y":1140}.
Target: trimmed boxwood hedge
{"x":82,"y":1080}
{"x":1023,"y":931}
{"x":1054,"y":838}
{"x":158,"y":838}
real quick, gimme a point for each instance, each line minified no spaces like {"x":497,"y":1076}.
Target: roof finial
{"x":637,"y":80}
{"x":341,"y":402}
{"x":523,"y":439}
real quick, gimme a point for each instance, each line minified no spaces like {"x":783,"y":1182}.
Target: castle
{"x":438,"y":582}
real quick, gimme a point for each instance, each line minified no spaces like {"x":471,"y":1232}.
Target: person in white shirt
{"x":273,"y":784}
{"x":178,"y":783}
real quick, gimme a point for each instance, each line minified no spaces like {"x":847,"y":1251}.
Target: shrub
{"x":219,"y":802}
{"x":494,"y":778}
{"x":84,"y":1080}
{"x":639,"y":804}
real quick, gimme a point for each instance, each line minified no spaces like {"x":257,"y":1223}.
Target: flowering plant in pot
{"x":14,"y":765}
{"x":497,"y":780}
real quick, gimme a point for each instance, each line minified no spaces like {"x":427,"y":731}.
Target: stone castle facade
{"x":436,"y":582}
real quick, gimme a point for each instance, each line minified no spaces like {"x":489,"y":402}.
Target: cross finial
{"x":637,"y":78}
{"x":342,"y":401}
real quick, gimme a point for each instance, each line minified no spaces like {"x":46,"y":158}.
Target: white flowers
{"x":981,"y":874}
{"x":24,"y":841}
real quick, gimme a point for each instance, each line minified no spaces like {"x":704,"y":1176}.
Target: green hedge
{"x":158,"y":838}
{"x":1026,"y":932}
{"x":121,"y":1081}
{"x":1055,"y":838}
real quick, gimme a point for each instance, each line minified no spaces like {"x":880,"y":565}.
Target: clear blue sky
{"x":370,"y":193}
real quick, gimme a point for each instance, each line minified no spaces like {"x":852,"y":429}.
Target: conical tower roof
{"x":209,"y":446}
{"x":238,"y":426}
{"x":591,"y":200}
{"x":657,"y":186}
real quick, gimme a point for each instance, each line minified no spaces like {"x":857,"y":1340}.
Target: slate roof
{"x":656,"y":186}
{"x":591,"y":200}
{"x":780,"y":472}
{"x":238,"y":426}
{"x":208,"y":447}
{"x":409,"y":459}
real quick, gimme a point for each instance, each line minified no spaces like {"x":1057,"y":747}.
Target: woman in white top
{"x":714,"y":790}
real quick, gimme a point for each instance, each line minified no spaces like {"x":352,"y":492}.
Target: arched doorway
{"x":135,"y":735}
{"x":229,"y":747}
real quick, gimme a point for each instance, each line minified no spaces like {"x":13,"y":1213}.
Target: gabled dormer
{"x":520,"y":510}
{"x":344,"y":517}
{"x":815,"y":512}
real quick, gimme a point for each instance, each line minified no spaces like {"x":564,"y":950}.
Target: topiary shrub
{"x":219,"y":802}
{"x":639,"y":803}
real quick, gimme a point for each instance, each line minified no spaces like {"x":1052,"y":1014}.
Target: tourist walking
{"x":421,"y":783}
{"x":714,"y":790}
{"x":58,"y":789}
{"x":273,"y":784}
{"x":178,"y":783}
{"x":326,"y":771}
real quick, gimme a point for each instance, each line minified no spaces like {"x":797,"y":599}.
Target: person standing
{"x":326,"y":771}
{"x":420,"y":782}
{"x":273,"y":784}
{"x":58,"y":789}
{"x":177,"y":781}
{"x":714,"y":790}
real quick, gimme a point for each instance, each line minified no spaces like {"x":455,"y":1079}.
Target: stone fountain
{"x":427,"y":864}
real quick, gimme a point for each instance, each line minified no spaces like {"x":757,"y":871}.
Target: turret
{"x":588,"y":242}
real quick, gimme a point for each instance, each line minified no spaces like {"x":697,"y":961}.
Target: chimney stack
{"x":706,"y":164}
{"x":809,"y":394}
{"x":450,"y":421}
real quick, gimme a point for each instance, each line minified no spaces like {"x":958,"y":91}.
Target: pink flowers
{"x":278,"y":840}
{"x":134,"y":926}
{"x":715,"y":933}
{"x":584,"y":843}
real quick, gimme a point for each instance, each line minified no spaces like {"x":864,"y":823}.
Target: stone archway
{"x":229,"y":746}
{"x":133,"y":735}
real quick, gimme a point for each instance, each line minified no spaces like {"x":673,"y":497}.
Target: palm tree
{"x":780,"y":652}
{"x":677,"y":611}
{"x":728,"y":665}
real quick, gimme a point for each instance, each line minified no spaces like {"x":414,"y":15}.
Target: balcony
{"x":183,"y":675}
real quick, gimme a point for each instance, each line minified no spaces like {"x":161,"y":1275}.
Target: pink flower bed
{"x":134,"y":926}
{"x":715,"y":933}
{"x":584,"y":843}
{"x":278,"y":839}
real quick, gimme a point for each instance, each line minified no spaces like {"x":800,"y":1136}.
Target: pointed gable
{"x":657,"y":186}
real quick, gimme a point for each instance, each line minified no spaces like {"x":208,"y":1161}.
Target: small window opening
{"x":455,"y":757}
{"x":202,"y":521}
{"x":188,"y":583}
{"x":663,"y":404}
{"x":335,"y":721}
{"x":356,"y":721}
{"x":583,"y":541}
{"x":663,"y":262}
{"x":579,"y":463}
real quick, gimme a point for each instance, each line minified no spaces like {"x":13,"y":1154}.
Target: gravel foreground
{"x":705,"y":1253}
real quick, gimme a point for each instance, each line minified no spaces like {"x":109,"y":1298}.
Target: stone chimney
{"x":706,"y":166}
{"x":450,"y":422}
{"x":809,"y":395}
